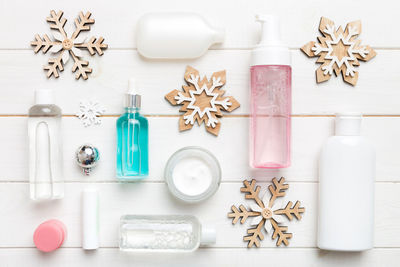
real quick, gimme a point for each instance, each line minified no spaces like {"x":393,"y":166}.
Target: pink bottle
{"x":271,"y":89}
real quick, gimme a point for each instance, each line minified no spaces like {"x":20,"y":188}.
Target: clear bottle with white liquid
{"x":163,"y":233}
{"x":45,"y":159}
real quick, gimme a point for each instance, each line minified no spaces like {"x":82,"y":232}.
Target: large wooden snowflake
{"x":266,"y":213}
{"x":202,"y":100}
{"x":338,"y":51}
{"x":66,"y":45}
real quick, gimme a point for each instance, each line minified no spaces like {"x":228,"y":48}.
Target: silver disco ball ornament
{"x":87,"y":157}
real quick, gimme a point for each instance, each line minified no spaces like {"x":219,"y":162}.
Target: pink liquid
{"x":270,"y":123}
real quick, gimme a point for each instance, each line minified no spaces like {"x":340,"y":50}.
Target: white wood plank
{"x":231,"y":147}
{"x":288,"y":257}
{"x":377,"y":91}
{"x":20,"y":216}
{"x":117,"y":21}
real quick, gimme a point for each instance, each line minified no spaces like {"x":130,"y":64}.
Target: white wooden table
{"x":377,"y":95}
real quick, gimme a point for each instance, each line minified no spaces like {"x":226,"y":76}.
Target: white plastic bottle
{"x":45,"y":153}
{"x":346,"y":188}
{"x":175,"y":35}
{"x":163,"y":233}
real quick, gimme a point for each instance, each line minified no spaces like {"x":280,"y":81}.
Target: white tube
{"x":90,"y":219}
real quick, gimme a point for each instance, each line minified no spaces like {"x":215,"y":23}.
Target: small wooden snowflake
{"x":266,"y":213}
{"x":202,"y":100}
{"x":66,"y":45}
{"x":338,"y":51}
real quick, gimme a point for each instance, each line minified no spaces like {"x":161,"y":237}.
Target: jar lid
{"x":49,"y":235}
{"x":192,"y":174}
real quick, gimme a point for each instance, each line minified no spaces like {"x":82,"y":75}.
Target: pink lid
{"x":49,"y":235}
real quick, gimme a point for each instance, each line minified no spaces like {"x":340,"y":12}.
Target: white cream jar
{"x":193,"y":174}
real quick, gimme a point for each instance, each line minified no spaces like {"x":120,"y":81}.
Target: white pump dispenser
{"x":271,"y":50}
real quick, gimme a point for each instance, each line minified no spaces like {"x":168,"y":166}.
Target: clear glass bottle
{"x":132,"y":139}
{"x":271,"y":86}
{"x":45,"y":152}
{"x":163,"y":233}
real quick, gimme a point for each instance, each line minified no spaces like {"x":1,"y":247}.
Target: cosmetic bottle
{"x":45,"y":153}
{"x":163,"y":233}
{"x":270,"y":120}
{"x":346,"y":188}
{"x":132,"y":138}
{"x":170,"y":35}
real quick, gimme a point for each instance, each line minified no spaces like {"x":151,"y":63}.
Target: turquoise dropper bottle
{"x":132,"y":138}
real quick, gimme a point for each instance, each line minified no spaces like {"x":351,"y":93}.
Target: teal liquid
{"x":132,"y":145}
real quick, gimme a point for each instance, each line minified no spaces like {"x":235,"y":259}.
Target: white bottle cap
{"x":348,"y":124}
{"x":218,"y":35}
{"x":44,"y":97}
{"x":208,"y":236}
{"x":90,"y":219}
{"x":271,"y":50}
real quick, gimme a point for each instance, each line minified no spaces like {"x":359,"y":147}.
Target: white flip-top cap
{"x":270,"y":50}
{"x":208,"y":236}
{"x":90,"y":219}
{"x":348,"y":124}
{"x":44,"y":97}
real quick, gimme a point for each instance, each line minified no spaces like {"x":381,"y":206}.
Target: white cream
{"x":192,"y":176}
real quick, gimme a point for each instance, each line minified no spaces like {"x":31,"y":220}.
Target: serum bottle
{"x":271,"y":90}
{"x":132,"y":139}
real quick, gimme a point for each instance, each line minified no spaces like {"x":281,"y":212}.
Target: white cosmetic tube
{"x":90,"y":219}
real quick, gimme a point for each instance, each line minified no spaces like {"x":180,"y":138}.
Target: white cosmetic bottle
{"x":170,"y":35}
{"x":346,"y":188}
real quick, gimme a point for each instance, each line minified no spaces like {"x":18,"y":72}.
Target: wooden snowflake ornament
{"x":66,"y":45}
{"x":338,"y":51}
{"x":202,"y":100}
{"x":266,"y":212}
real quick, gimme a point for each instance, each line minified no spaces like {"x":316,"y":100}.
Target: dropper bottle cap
{"x":270,"y":50}
{"x":132,"y":97}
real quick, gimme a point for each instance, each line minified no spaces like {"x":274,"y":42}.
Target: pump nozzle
{"x":271,"y":50}
{"x":270,"y":30}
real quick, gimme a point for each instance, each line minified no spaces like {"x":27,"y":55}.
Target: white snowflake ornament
{"x":338,"y":51}
{"x":68,"y":45}
{"x":202,"y":100}
{"x":90,"y":112}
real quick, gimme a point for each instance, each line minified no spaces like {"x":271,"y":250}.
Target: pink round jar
{"x":49,"y":235}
